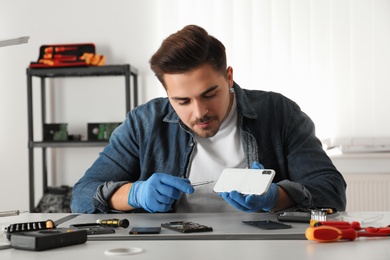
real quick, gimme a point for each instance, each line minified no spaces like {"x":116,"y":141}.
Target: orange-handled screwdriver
{"x":59,"y":49}
{"x":59,"y":56}
{"x":331,"y":234}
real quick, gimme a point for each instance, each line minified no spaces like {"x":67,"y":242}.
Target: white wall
{"x":123,"y":31}
{"x":331,"y":56}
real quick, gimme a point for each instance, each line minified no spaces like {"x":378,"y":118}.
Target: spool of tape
{"x":123,"y":251}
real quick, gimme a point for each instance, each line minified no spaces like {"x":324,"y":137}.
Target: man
{"x":207,"y":123}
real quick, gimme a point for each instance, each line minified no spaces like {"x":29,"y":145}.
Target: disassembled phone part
{"x":186,"y":227}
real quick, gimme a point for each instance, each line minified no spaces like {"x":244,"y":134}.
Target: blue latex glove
{"x":253,"y":203}
{"x":159,"y":192}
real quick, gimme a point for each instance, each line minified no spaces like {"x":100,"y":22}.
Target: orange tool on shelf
{"x":59,"y":56}
{"x":59,"y":49}
{"x":67,"y":55}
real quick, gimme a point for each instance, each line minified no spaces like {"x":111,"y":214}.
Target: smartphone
{"x":245,"y":181}
{"x":93,"y":228}
{"x":294,"y":216}
{"x":267,"y":224}
{"x":144,"y":230}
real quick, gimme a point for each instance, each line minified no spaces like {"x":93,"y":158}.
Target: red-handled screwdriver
{"x":339,"y":224}
{"x":385,"y":230}
{"x":330,"y":234}
{"x":354,"y":224}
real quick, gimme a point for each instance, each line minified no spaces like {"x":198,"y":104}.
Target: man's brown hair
{"x":186,"y":50}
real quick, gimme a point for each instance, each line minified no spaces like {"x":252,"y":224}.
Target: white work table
{"x":230,"y":239}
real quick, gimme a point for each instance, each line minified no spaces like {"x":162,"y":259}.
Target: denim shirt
{"x":274,"y":132}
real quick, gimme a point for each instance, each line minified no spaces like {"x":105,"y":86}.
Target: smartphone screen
{"x":267,"y":224}
{"x":144,"y":230}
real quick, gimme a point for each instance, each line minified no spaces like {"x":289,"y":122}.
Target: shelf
{"x":130,"y":75}
{"x":59,"y":144}
{"x":14,"y":41}
{"x":108,"y":70}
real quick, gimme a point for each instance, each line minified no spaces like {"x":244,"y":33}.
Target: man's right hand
{"x":159,"y":192}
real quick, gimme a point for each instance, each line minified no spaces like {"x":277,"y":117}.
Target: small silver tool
{"x":201,"y":183}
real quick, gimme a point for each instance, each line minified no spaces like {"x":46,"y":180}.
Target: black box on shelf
{"x":101,"y":131}
{"x":55,"y":132}
{"x":55,"y":200}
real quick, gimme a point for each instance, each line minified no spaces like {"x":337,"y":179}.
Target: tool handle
{"x":114,"y":222}
{"x":329,"y":234}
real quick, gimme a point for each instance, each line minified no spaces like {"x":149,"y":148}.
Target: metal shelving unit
{"x":131,"y":96}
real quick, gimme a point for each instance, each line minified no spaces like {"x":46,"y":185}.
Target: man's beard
{"x":205,"y":132}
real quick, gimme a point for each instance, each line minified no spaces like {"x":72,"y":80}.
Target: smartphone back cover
{"x":245,"y":181}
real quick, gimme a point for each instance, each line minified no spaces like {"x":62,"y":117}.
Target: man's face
{"x":201,"y":98}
